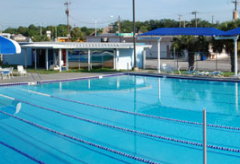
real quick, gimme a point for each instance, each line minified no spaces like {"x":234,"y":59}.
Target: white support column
{"x":117,"y":59}
{"x":114,"y":60}
{"x":25,"y":58}
{"x":35,"y":56}
{"x":46,"y":59}
{"x":144,"y":59}
{"x":89,"y":59}
{"x":60,"y":59}
{"x":235,"y":56}
{"x":159,"y":56}
{"x":67,"y":64}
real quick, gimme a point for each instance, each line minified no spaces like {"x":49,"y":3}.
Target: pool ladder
{"x":35,"y":80}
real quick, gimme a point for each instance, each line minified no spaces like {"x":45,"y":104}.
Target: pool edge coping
{"x":61,"y":80}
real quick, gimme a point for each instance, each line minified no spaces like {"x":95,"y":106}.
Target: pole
{"x":174,"y":56}
{"x":195,"y":13}
{"x":179,"y":18}
{"x":68,"y":13}
{"x":216,"y":62}
{"x":159,"y":62}
{"x":95,"y":21}
{"x":40,"y":29}
{"x":204,"y":136}
{"x":119,"y":28}
{"x":212,"y":20}
{"x":134,"y":38}
{"x":235,"y":56}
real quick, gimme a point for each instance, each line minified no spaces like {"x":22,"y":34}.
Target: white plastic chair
{"x":166,"y":68}
{"x":21,"y":70}
{"x":216,"y":74}
{"x":191,"y":70}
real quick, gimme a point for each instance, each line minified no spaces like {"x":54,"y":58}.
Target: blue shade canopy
{"x":8,"y":46}
{"x":200,"y":31}
{"x":232,"y":32}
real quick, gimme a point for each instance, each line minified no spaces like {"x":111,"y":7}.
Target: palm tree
{"x":192,"y":44}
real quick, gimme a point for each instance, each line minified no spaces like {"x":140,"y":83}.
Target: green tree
{"x":77,"y":34}
{"x":228,"y":45}
{"x":192,"y":44}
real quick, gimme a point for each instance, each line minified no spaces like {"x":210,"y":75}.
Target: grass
{"x":42,"y":71}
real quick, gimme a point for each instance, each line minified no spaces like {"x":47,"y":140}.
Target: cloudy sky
{"x":16,"y":13}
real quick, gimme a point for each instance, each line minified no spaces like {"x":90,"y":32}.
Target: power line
{"x":92,"y":22}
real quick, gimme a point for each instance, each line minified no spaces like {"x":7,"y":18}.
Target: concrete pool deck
{"x":54,"y":76}
{"x":33,"y":77}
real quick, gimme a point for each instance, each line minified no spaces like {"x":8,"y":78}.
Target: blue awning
{"x":199,"y":31}
{"x":232,"y":32}
{"x":8,"y":46}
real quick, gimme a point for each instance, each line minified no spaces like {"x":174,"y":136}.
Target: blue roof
{"x":8,"y":46}
{"x":232,"y":32}
{"x":200,"y":31}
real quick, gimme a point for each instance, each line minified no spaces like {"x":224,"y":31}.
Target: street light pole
{"x":134,"y":38}
{"x":95,"y":23}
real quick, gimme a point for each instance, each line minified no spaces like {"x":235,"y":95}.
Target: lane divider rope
{"x":136,"y":114}
{"x":21,"y":152}
{"x":134,"y":131}
{"x":82,"y":141}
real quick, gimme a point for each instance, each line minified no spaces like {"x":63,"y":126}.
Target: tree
{"x":77,"y":34}
{"x":192,"y":44}
{"x":228,"y":45}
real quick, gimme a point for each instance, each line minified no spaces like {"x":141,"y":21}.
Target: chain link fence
{"x":202,"y":61}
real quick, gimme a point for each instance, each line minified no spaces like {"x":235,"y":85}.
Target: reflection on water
{"x":12,"y":107}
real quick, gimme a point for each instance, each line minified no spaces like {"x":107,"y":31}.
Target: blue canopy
{"x":8,"y":46}
{"x":232,"y":32}
{"x":200,"y":31}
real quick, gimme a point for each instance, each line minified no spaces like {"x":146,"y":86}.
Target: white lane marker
{"x":11,"y":98}
{"x":38,"y":93}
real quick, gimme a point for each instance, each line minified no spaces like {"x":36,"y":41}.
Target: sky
{"x":15,"y":13}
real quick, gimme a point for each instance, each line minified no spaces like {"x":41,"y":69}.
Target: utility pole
{"x":68,"y":13}
{"x":40,"y":29}
{"x":119,"y":28}
{"x":179,"y":18}
{"x":195,"y":13}
{"x":235,"y":12}
{"x":212,"y":20}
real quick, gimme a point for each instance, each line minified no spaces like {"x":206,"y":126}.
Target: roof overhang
{"x":77,"y":45}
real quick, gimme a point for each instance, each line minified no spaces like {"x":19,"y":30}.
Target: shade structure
{"x":8,"y":46}
{"x":198,"y":31}
{"x":232,"y":32}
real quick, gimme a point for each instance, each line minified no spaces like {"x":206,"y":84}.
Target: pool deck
{"x":67,"y":76}
{"x":49,"y":77}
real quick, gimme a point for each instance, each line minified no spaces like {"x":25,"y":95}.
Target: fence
{"x":201,"y":61}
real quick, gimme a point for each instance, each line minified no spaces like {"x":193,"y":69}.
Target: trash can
{"x":203,"y":57}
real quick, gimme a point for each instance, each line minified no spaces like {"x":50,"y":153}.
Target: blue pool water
{"x":120,"y":119}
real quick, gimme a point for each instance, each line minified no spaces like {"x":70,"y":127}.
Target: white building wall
{"x":152,"y":53}
{"x":126,"y":57}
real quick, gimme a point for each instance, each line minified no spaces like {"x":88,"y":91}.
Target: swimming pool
{"x":120,"y":119}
